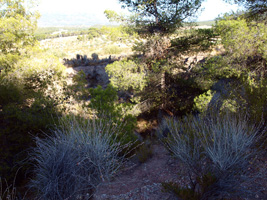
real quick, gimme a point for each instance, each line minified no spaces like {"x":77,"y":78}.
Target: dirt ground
{"x":142,"y":181}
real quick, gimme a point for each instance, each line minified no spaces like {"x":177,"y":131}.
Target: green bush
{"x":116,"y":34}
{"x":202,"y":101}
{"x":242,"y":39}
{"x":105,"y":103}
{"x":94,"y":33}
{"x":127,"y":75}
{"x":112,"y":49}
{"x":30,"y":98}
{"x":244,"y":42}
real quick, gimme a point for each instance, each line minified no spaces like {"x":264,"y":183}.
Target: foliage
{"x":236,"y":78}
{"x":112,"y":16}
{"x":17,"y":26}
{"x":31,"y":95}
{"x":256,"y":8}
{"x":94,"y":33}
{"x":251,"y":96}
{"x":243,"y":41}
{"x":105,"y":102}
{"x":118,"y":33}
{"x":112,"y":50}
{"x":162,"y":57}
{"x":127,"y":75}
{"x":161,"y":16}
{"x":72,"y":162}
{"x":195,"y":40}
{"x":202,"y":101}
{"x":217,"y":151}
{"x":155,"y":48}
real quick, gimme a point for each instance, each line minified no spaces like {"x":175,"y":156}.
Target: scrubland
{"x":200,"y":93}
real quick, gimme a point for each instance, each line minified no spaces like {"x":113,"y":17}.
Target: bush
{"x":116,"y":34}
{"x":112,"y":49}
{"x":31,"y":92}
{"x":202,"y":101}
{"x":194,"y":41}
{"x":105,"y":102}
{"x":94,"y":33}
{"x":216,"y":150}
{"x":244,"y":42}
{"x":71,"y":163}
{"x":127,"y":75}
{"x":155,"y":47}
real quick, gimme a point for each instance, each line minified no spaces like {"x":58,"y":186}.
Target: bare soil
{"x":142,"y":181}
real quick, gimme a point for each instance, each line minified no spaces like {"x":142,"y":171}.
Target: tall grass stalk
{"x":9,"y":191}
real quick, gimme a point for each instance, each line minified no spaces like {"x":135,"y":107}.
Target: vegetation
{"x":17,"y":27}
{"x":216,"y":150}
{"x":212,"y":81}
{"x":161,"y":16}
{"x":257,"y":8}
{"x":73,"y":161}
{"x":105,"y":103}
{"x":53,"y":32}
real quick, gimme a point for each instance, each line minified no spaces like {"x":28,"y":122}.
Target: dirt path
{"x":142,"y":181}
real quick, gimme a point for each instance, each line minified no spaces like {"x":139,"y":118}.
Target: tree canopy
{"x":256,"y":8}
{"x":162,"y":15}
{"x":17,"y":26}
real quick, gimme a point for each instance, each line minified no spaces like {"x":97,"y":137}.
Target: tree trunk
{"x":156,"y":12}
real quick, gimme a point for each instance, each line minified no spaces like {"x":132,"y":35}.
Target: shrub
{"x":105,"y":102}
{"x":202,"y":101}
{"x":155,"y":47}
{"x":216,"y":150}
{"x":30,"y":98}
{"x":244,"y":43}
{"x":112,"y":49}
{"x":194,"y":40}
{"x":127,"y":75}
{"x":94,"y":33}
{"x":72,"y":162}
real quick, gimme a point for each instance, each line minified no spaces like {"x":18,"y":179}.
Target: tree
{"x":256,"y":8}
{"x":17,"y":26}
{"x":162,"y":15}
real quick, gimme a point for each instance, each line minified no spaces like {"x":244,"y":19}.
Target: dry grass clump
{"x":73,"y":162}
{"x":217,"y":151}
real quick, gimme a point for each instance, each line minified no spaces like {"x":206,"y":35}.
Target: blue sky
{"x":212,"y":8}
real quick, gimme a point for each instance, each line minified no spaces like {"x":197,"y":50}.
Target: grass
{"x":216,"y":150}
{"x":76,"y":159}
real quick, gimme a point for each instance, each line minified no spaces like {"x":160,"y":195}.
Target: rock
{"x":96,"y":75}
{"x":192,"y":61}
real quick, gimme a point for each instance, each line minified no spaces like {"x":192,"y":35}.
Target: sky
{"x":212,"y":8}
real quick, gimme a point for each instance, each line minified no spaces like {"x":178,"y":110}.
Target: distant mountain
{"x":82,"y":19}
{"x":60,"y":19}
